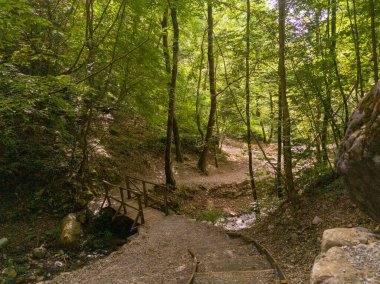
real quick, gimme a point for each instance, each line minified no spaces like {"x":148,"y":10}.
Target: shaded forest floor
{"x":286,"y":231}
{"x":291,"y":236}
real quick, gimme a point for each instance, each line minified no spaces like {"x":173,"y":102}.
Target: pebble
{"x":59,"y":264}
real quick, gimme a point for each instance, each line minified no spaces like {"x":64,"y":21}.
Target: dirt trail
{"x":233,"y":167}
{"x":161,"y":255}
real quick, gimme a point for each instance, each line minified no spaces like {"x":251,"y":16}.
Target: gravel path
{"x":160,"y":254}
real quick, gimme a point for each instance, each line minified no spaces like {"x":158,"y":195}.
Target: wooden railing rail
{"x":124,"y":205}
{"x":132,"y":182}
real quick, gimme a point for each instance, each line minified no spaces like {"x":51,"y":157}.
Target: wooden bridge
{"x":144,"y":202}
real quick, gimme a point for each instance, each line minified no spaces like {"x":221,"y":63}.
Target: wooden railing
{"x":150,"y":199}
{"x":145,"y":193}
{"x":123,"y":204}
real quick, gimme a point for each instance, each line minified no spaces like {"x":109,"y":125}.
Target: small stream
{"x":236,"y":223}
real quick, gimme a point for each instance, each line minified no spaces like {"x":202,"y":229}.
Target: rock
{"x":346,"y":237}
{"x":39,"y":253}
{"x":358,"y":159}
{"x":317,"y":220}
{"x":3,"y":242}
{"x":348,"y":264}
{"x":9,"y":273}
{"x":59,"y":264}
{"x":71,"y":232}
{"x":348,"y":256}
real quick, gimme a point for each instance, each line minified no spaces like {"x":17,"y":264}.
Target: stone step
{"x":235,"y":264}
{"x":154,"y":279}
{"x":222,"y":251}
{"x":237,"y":277}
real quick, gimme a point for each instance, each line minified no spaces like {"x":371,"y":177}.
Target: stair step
{"x":220,"y":252}
{"x":237,"y":277}
{"x":235,"y":264}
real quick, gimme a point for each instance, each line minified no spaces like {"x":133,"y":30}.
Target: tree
{"x":247,"y":109}
{"x":170,"y":181}
{"x":374,"y":41}
{"x":202,"y":163}
{"x":284,"y":103}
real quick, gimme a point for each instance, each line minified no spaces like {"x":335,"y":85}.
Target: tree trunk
{"x":374,"y":41}
{"x":355,"y":37}
{"x":86,"y":127}
{"x":335,"y":62}
{"x":279,"y":183}
{"x":202,"y":163}
{"x":170,"y":181}
{"x":247,"y":110}
{"x":177,"y":138}
{"x":197,"y":102}
{"x":285,"y":109}
{"x":271,"y":118}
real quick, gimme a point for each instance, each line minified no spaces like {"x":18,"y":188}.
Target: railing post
{"x":145,"y":194}
{"x":141,"y":210}
{"x":128,"y":187}
{"x":122,"y":200}
{"x":106,"y":197}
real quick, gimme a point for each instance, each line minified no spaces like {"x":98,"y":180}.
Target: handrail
{"x":123,"y":204}
{"x":131,"y":181}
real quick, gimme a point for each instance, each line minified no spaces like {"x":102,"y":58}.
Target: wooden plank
{"x":151,"y":215}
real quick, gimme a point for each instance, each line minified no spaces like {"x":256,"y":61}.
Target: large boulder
{"x":358,"y":159}
{"x":72,"y":232}
{"x":349,"y":256}
{"x":339,"y":237}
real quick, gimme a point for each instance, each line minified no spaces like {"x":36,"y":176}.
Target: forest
{"x":232,"y":108}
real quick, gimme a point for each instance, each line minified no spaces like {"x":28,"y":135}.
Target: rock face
{"x":348,"y":256}
{"x":71,"y":231}
{"x":358,"y":159}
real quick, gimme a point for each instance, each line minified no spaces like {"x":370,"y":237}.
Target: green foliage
{"x":36,"y":129}
{"x":48,"y":93}
{"x":211,"y":215}
{"x":320,"y":181}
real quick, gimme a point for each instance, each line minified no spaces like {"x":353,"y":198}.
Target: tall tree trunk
{"x":355,"y":37}
{"x":247,"y":110}
{"x":271,"y":118}
{"x":170,"y":181}
{"x":279,"y":182}
{"x":202,"y":163}
{"x":335,"y":61}
{"x":374,"y":41}
{"x":177,"y":138}
{"x":285,"y":109}
{"x":357,"y":51}
{"x":197,"y":102}
{"x":86,"y":128}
